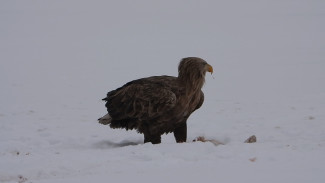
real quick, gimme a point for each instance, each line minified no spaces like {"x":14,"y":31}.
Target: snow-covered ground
{"x":59,"y":58}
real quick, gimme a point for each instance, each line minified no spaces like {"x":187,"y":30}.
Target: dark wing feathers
{"x":140,"y":99}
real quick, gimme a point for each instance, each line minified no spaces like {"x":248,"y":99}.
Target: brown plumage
{"x":158,"y":104}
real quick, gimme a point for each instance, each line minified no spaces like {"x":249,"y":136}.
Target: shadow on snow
{"x":109,"y":144}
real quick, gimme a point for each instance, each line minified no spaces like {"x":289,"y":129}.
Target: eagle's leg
{"x":154,"y":139}
{"x":180,"y":133}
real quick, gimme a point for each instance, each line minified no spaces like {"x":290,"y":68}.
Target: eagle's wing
{"x":140,"y":100}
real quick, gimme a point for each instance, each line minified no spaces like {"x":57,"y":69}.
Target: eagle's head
{"x":194,"y":64}
{"x":192,"y":70}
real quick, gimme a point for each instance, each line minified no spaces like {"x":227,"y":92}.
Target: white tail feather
{"x":105,"y":120}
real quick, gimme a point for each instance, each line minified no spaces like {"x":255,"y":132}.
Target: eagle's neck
{"x":193,"y":82}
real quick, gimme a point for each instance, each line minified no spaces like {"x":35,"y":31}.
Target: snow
{"x":59,"y":58}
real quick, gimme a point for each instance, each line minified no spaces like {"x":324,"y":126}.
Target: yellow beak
{"x":209,"y":68}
